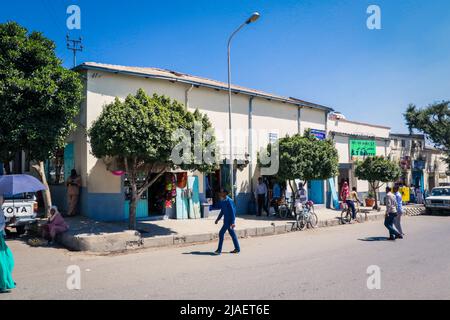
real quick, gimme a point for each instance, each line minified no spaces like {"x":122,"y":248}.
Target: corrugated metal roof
{"x":194,"y":80}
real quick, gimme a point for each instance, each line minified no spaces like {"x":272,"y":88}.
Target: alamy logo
{"x":74,"y":19}
{"x":374,"y":20}
{"x":197,"y":147}
{"x":74,"y":280}
{"x":374,"y":279}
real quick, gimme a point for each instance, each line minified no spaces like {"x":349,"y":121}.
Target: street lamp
{"x":253,"y":18}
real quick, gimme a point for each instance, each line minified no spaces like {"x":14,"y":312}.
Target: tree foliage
{"x":39,"y":98}
{"x":434,"y":122}
{"x":139,"y":133}
{"x":306,"y":158}
{"x":377,"y":171}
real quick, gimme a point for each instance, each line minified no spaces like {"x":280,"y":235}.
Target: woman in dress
{"x":6,"y":257}
{"x":55,"y":225}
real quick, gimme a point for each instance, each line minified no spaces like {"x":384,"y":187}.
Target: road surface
{"x":327,"y":263}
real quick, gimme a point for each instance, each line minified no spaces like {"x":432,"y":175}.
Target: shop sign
{"x":443,"y":175}
{"x":362,"y":148}
{"x":319,"y":134}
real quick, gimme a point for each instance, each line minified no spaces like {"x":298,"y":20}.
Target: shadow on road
{"x":374,"y":239}
{"x":200,"y":253}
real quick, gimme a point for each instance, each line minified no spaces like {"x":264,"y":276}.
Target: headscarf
{"x":345,"y":189}
{"x":51,"y":217}
{"x":54,"y":208}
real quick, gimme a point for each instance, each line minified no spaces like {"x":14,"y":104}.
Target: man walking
{"x":228,"y":212}
{"x":261,"y":192}
{"x":391,"y":213}
{"x":397,"y":220}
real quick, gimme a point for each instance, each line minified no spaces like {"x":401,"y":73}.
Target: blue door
{"x":418,"y":180}
{"x":316,"y":191}
{"x":69,"y":160}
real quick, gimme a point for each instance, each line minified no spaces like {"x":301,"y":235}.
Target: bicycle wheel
{"x":283,"y":212}
{"x":300,"y":221}
{"x":346,"y":216}
{"x":313,"y":220}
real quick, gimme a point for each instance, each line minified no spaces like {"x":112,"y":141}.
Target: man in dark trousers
{"x":261,"y":193}
{"x":391,"y":213}
{"x":228,"y":212}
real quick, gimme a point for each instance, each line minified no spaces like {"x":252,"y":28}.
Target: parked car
{"x":20,"y":211}
{"x":439,"y":200}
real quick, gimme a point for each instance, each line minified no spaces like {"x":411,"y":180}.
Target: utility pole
{"x":74,"y":45}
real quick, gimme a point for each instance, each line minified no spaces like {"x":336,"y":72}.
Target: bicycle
{"x":305,"y":216}
{"x":285,"y":209}
{"x":346,"y":213}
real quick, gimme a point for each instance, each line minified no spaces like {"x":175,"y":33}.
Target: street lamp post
{"x":252,"y":18}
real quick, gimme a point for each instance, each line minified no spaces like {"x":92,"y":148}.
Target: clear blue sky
{"x":316,"y":50}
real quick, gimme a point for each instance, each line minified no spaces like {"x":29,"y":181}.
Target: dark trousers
{"x":389,"y":224}
{"x":262,"y":204}
{"x":351,"y":205}
{"x":225,"y":228}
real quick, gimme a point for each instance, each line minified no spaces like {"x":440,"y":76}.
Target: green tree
{"x":377,"y":171}
{"x":434,"y":122}
{"x":39,"y":99}
{"x":139,"y":133}
{"x":305,"y":158}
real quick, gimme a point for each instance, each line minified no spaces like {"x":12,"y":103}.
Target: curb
{"x":132,"y":240}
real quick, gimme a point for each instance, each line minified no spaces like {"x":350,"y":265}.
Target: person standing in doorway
{"x":345,"y":197}
{"x":6,"y":258}
{"x":228,"y":212}
{"x":276,"y":195}
{"x":391,"y":213}
{"x":73,"y":192}
{"x":261,"y":193}
{"x":419,"y":195}
{"x":397,"y":220}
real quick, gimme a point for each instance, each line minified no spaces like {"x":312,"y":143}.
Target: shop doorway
{"x":156,"y":197}
{"x":344,"y":176}
{"x":161,"y":194}
{"x":418,"y":180}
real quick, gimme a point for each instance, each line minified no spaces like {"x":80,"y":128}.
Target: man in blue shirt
{"x":276,"y":195}
{"x":228,"y":212}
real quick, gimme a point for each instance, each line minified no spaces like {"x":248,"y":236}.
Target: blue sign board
{"x":319,"y":134}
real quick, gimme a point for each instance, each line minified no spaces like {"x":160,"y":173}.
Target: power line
{"x":74,"y":45}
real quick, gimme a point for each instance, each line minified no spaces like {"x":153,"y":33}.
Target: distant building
{"x":422,"y":166}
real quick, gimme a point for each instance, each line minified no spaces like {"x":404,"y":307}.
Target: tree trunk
{"x":133,"y":202}
{"x":40,"y":169}
{"x":292,"y":191}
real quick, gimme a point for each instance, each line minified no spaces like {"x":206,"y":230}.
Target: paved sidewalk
{"x":101,"y":237}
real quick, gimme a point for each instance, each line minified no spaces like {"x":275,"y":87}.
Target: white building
{"x":102,"y":195}
{"x":354,"y":141}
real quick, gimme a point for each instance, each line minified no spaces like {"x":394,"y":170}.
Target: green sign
{"x":362,"y":148}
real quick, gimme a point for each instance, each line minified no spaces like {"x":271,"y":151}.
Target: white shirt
{"x":261,"y":188}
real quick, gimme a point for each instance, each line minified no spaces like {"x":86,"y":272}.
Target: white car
{"x":439,"y":200}
{"x":20,"y":211}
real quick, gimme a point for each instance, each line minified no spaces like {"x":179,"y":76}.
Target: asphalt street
{"x":327,"y":263}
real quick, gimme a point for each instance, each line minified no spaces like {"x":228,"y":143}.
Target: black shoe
{"x":217,"y":252}
{"x":399,"y":236}
{"x":391,"y":238}
{"x":235,"y":251}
